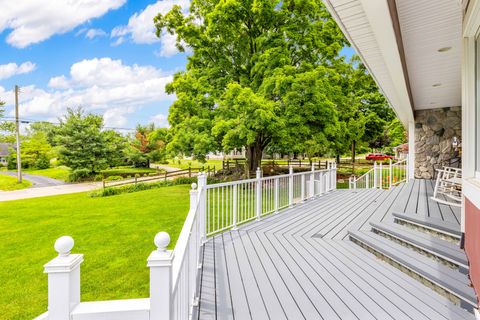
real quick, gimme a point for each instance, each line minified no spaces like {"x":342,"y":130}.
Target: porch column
{"x":411,"y":150}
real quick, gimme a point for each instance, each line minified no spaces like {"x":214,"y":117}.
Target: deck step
{"x":448,"y":280}
{"x":442,"y":249}
{"x":436,"y":225}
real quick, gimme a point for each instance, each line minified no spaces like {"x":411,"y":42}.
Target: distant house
{"x":4,"y":152}
{"x":401,"y":151}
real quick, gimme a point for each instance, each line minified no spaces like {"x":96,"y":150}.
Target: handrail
{"x":381,"y":176}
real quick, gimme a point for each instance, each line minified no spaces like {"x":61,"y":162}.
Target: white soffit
{"x":367,"y":25}
{"x":426,"y":27}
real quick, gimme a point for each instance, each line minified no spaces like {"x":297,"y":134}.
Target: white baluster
{"x":202,"y":205}
{"x":259,"y":193}
{"x":290,"y":186}
{"x":375,"y":175}
{"x":275,"y":196}
{"x":234,"y":207}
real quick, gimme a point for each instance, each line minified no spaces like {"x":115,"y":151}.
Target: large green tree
{"x":261,"y":73}
{"x":83,"y":144}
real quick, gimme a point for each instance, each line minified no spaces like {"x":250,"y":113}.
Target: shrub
{"x":42,"y":162}
{"x":114,"y":178}
{"x":79,"y":175}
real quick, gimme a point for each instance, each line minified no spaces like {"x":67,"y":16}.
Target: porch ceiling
{"x":399,"y":40}
{"x":426,"y":27}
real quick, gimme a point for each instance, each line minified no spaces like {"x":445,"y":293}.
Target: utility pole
{"x":17,"y":133}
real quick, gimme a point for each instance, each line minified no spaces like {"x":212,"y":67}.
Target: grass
{"x":59,"y":173}
{"x":8,"y":183}
{"x":114,"y":233}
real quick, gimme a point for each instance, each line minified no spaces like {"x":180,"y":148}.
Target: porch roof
{"x":412,"y":49}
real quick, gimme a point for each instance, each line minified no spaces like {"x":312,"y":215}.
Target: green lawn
{"x":114,"y":233}
{"x":8,"y":183}
{"x":59,"y":173}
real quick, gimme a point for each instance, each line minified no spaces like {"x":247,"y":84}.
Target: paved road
{"x":37,"y":181}
{"x":48,"y":191}
{"x":164,"y":167}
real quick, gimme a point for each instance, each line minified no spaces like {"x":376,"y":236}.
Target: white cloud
{"x":33,"y":21}
{"x":102,"y":85}
{"x":92,"y":33}
{"x":140,"y":28}
{"x":117,"y":117}
{"x":160,"y":120}
{"x":10,"y":69}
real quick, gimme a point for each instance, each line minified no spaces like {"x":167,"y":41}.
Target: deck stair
{"x":432,"y":273}
{"x":433,"y":224}
{"x":432,"y":245}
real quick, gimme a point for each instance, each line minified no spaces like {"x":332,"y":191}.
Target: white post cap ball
{"x":194,"y":186}
{"x":162,"y":240}
{"x":64,"y":245}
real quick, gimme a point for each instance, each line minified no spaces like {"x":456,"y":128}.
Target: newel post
{"x":290,"y":186}
{"x":160,"y":264}
{"x":63,"y":280}
{"x":202,"y":205}
{"x":375,"y":175}
{"x":328,"y":177}
{"x":302,"y":188}
{"x":259,"y":193}
{"x":334,"y":175}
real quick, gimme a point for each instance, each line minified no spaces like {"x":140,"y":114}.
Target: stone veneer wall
{"x":434,"y":130}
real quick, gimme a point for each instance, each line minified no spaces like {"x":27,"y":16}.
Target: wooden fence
{"x":189,"y":172}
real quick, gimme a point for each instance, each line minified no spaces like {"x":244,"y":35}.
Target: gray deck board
{"x":298,"y":264}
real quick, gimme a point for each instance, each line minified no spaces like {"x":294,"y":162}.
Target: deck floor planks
{"x":223,"y":294}
{"x":207,"y":294}
{"x":283,"y":263}
{"x":412,"y":203}
{"x":433,"y":207}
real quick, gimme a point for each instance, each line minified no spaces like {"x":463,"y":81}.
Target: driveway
{"x":37,"y":181}
{"x":48,"y":191}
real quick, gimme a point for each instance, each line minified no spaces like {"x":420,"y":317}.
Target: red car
{"x":378,"y":156}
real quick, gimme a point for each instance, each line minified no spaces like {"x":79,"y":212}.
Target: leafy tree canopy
{"x":260,"y":74}
{"x":148,"y":144}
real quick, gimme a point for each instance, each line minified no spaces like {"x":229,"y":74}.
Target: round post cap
{"x":162,"y":240}
{"x":64,"y":245}
{"x":194,"y":186}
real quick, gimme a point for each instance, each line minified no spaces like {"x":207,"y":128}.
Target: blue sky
{"x":102,"y":55}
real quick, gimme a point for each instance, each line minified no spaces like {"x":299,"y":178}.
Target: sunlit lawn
{"x":184,"y":164}
{"x":114,"y":233}
{"x":8,"y":183}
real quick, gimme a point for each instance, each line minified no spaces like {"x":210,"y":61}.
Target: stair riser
{"x":434,"y":286}
{"x":432,"y":255}
{"x":434,"y":232}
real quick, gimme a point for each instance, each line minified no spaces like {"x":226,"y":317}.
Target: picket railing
{"x":174,"y":274}
{"x":233,"y":203}
{"x":381,"y":176}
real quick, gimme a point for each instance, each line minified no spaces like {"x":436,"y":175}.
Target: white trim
{"x":471,"y":191}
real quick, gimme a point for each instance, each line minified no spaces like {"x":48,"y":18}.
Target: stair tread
{"x":430,"y":243}
{"x":432,"y":223}
{"x":451,"y":280}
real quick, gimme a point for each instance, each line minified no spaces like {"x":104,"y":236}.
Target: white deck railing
{"x":174,"y":274}
{"x":381,"y":176}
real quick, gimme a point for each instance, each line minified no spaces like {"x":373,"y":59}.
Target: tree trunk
{"x":338,"y":158}
{"x":353,"y":151}
{"x":254,"y":158}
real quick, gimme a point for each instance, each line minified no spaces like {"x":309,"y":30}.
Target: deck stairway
{"x":424,"y":247}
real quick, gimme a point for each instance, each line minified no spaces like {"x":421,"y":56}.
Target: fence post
{"x":302,"y":188}
{"x":189,"y":171}
{"x":63,"y":280}
{"x":202,"y":205}
{"x":275,"y":196}
{"x":160,"y":264}
{"x":234,"y":209}
{"x":312,"y":182}
{"x":290,"y":186}
{"x":259,"y":193}
{"x":375,"y":175}
{"x":381,"y":175}
{"x":166,"y":175}
{"x":390,"y":174}
{"x":328,"y":176}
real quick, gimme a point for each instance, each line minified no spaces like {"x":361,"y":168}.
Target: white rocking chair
{"x":448,"y":187}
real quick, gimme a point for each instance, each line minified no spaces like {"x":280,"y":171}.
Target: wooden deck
{"x":300,"y":264}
